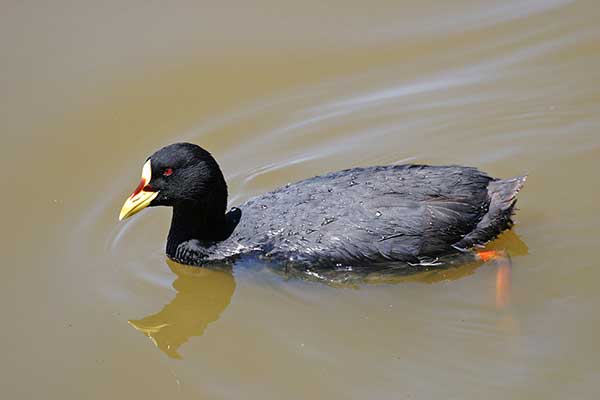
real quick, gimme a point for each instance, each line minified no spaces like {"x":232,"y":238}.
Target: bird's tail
{"x":503,"y":196}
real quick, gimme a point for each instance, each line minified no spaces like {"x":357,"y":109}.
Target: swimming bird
{"x":368,"y":215}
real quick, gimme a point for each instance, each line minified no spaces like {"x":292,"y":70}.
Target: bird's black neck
{"x":196,"y":220}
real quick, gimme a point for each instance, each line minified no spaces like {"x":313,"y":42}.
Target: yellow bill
{"x":141,"y":196}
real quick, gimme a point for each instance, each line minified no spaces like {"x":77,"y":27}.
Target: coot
{"x":358,"y":216}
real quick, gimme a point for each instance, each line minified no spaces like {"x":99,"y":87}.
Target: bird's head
{"x":180,"y":173}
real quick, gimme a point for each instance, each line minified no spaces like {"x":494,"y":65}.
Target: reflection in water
{"x":503,"y":282}
{"x":443,"y":269}
{"x":202,"y":295}
{"x":514,"y":247}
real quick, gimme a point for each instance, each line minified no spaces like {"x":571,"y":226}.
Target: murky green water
{"x":280,"y":92}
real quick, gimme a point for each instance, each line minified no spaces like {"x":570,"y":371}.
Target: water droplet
{"x":327,"y":220}
{"x":378,"y":213}
{"x":264,"y":206}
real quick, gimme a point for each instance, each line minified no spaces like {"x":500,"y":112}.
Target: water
{"x":279,"y":92}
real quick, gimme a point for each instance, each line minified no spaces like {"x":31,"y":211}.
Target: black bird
{"x":359,"y":216}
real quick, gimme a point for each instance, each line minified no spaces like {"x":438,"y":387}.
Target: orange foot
{"x":503,"y":274}
{"x":488,"y":255}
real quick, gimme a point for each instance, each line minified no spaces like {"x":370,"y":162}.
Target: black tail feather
{"x":503,"y":196}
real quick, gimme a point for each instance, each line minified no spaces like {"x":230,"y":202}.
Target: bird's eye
{"x":168,"y":172}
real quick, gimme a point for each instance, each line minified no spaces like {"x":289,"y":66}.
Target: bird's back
{"x":402,"y":212}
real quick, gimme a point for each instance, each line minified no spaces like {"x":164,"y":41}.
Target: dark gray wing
{"x":371,"y":214}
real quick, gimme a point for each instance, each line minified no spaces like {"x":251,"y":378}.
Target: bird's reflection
{"x":202,"y":295}
{"x":448,"y":268}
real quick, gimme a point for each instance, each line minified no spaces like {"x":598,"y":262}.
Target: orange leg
{"x":503,"y":274}
{"x":503,"y":278}
{"x":488,"y":255}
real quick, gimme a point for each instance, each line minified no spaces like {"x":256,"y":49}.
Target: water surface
{"x":280,"y":92}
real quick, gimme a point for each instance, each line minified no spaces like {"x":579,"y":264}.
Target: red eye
{"x":168,"y":172}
